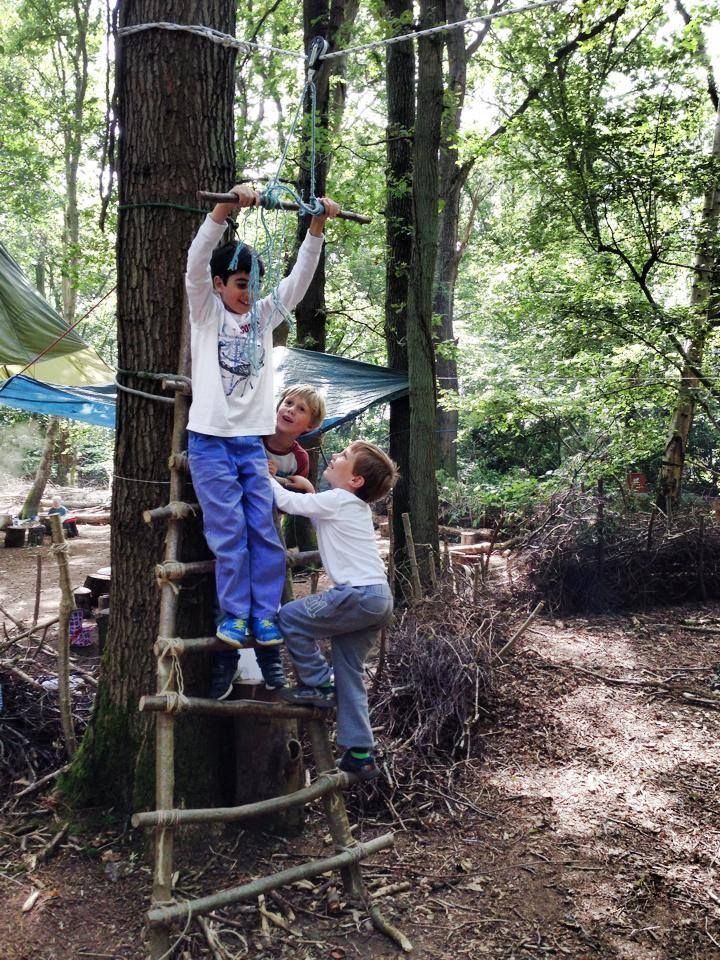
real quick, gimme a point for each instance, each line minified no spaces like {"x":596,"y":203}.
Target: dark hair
{"x":379,"y":472}
{"x":222,"y":258}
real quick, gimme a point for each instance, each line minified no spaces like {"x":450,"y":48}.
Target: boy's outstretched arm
{"x":317,"y":224}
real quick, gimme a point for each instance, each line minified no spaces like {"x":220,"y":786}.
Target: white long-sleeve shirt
{"x":229,"y":400}
{"x":346,"y":538}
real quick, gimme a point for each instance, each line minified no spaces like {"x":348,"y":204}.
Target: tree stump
{"x":268,"y":763}
{"x":98,"y":583}
{"x":36,"y":535}
{"x":83,"y":599}
{"x":15,"y":536}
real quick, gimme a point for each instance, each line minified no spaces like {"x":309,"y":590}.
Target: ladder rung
{"x":177,"y":509}
{"x":182,"y":645}
{"x":174,"y":570}
{"x":231,"y":708}
{"x":162,"y":915}
{"x":171,"y":818}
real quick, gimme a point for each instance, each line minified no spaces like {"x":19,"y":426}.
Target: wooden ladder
{"x":169,"y":701}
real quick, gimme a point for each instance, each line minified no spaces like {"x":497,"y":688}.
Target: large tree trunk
{"x":175,"y":95}
{"x":704,"y":304}
{"x":42,"y":474}
{"x":421,"y":351}
{"x":321,"y":18}
{"x":400,"y":84}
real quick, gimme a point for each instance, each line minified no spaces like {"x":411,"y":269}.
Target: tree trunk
{"x":704,"y":304}
{"x":328,"y":20}
{"x":42,"y":474}
{"x":421,"y":349}
{"x":175,"y":95}
{"x":452,"y":180}
{"x":400,"y":84}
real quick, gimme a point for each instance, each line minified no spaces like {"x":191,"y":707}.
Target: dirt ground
{"x":591,"y":829}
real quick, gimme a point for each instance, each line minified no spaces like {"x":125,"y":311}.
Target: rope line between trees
{"x":226,"y":40}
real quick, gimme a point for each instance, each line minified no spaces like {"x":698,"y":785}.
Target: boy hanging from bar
{"x":232,"y":408}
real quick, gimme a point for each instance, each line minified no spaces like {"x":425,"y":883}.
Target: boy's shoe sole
{"x":308,"y":697}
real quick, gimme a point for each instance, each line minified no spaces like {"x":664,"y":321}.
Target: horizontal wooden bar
{"x":171,"y":818}
{"x":233,"y":708}
{"x":282,"y":205}
{"x":174,"y":570}
{"x":181,"y":645}
{"x":161,"y":916}
{"x":177,"y":509}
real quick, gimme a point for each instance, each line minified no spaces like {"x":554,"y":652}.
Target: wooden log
{"x":321,"y":786}
{"x":160,"y":916}
{"x":93,"y":519}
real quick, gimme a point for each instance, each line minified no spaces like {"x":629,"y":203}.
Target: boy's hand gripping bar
{"x":282,"y":205}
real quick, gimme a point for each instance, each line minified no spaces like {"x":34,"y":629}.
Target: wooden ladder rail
{"x":166,"y":666}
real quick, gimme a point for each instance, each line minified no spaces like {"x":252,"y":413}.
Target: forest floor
{"x":590,"y":829}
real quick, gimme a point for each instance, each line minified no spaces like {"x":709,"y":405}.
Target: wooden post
{"x":391,"y":546}
{"x":38,"y":587}
{"x":410,"y":543}
{"x":334,"y":807}
{"x":66,"y":605}
{"x":159,"y":941}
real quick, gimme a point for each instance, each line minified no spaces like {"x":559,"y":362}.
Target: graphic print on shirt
{"x":236,"y":368}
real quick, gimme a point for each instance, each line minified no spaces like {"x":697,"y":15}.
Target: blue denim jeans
{"x":353,"y":618}
{"x":232,"y":484}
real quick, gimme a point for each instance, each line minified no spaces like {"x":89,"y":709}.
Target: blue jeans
{"x":232,"y":483}
{"x":353,"y":618}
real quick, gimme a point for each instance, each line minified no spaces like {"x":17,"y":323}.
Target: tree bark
{"x":321,"y":18}
{"x":704,"y":304}
{"x":42,"y":474}
{"x":175,"y":96}
{"x":453,"y":176}
{"x":400,"y":84}
{"x":421,"y":348}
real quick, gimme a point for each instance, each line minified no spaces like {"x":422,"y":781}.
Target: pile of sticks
{"x":584,"y":556}
{"x":432,"y":697}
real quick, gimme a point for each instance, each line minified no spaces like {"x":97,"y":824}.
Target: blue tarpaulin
{"x":349,"y":387}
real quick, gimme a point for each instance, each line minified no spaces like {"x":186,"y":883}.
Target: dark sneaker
{"x":309,"y":696}
{"x":265,"y":631}
{"x":224,"y":668}
{"x":364,"y":768}
{"x":271,"y":667}
{"x":233,"y":632}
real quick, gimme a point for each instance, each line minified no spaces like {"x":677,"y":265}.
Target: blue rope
{"x":271,"y":198}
